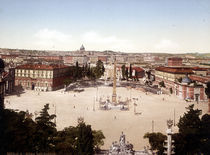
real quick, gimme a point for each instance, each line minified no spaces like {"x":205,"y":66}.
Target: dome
{"x":186,"y":80}
{"x":82,"y":48}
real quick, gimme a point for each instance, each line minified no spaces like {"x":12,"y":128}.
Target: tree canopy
{"x":21,"y":134}
{"x":193,"y":136}
{"x":156,"y":141}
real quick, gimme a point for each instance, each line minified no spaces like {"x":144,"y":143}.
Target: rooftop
{"x":202,"y":79}
{"x":41,"y":66}
{"x":174,"y":58}
{"x":175,"y":70}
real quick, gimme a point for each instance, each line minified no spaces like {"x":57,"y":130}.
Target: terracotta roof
{"x":200,"y":69}
{"x":202,"y":79}
{"x":138,"y":69}
{"x":8,"y":56}
{"x":41,"y":66}
{"x":175,"y":58}
{"x":175,"y":70}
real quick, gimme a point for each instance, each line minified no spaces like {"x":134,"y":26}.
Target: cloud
{"x":51,"y":39}
{"x":112,"y":42}
{"x":56,"y":40}
{"x":166,"y":44}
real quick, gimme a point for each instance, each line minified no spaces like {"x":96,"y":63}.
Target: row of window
{"x":34,"y":75}
{"x":38,"y":84}
{"x":32,"y":71}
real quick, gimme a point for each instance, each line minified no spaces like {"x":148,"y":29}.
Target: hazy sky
{"x":121,"y":25}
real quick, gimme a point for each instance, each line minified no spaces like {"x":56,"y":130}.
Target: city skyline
{"x":126,"y":26}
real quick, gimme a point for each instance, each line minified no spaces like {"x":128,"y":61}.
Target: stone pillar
{"x":114,"y":94}
{"x":169,"y":137}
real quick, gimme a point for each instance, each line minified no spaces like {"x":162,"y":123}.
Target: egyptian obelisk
{"x":114,"y":95}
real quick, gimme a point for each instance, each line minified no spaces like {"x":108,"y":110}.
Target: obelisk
{"x":114,"y":95}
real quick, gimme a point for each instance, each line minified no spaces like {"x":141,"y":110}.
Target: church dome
{"x":82,"y":48}
{"x":186,"y":80}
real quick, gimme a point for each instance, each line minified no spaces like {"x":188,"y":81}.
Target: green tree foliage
{"x":18,"y":132}
{"x":77,"y":71}
{"x":79,"y":140}
{"x":87,"y":71}
{"x":21,"y":134}
{"x":84,"y":143}
{"x":45,"y":130}
{"x":1,"y":104}
{"x":99,"y":69}
{"x":156,"y":141}
{"x":193,"y":136}
{"x":126,"y":74}
{"x":207,"y":91}
{"x":136,"y":76}
{"x":98,"y":137}
{"x":123,"y":72}
{"x":130,"y":71}
{"x":205,"y":134}
{"x":162,"y":84}
{"x":66,"y":141}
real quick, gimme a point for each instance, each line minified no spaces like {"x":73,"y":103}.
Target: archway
{"x":32,"y":86}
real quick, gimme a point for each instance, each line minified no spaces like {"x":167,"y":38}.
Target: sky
{"x":140,"y":26}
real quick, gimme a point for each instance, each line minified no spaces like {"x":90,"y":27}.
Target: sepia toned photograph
{"x":104,"y":77}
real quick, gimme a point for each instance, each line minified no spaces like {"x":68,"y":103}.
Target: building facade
{"x":185,"y":82}
{"x":174,"y":61}
{"x":42,"y":77}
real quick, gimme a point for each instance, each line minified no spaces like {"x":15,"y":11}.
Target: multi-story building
{"x":71,"y":60}
{"x":174,"y":61}
{"x":93,"y":59}
{"x":170,"y":75}
{"x":184,"y":81}
{"x":41,"y":77}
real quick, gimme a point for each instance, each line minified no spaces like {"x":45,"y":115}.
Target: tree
{"x":136,"y":76}
{"x":98,"y":137}
{"x":79,"y":140}
{"x":130,"y":71}
{"x":205,"y":134}
{"x":45,"y":130}
{"x":207,"y":91}
{"x":188,"y":140}
{"x":84,"y":139}
{"x":156,"y":141}
{"x":123,"y":72}
{"x":18,"y":132}
{"x":66,"y":141}
{"x":162,"y":84}
{"x":99,"y":70}
{"x":76,"y":71}
{"x":126,"y":74}
{"x":1,"y":103}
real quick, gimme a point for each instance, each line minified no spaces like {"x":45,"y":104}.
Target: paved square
{"x":71,"y":105}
